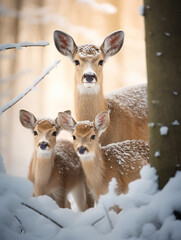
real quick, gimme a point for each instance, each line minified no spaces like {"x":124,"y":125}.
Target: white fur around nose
{"x":47,"y":153}
{"x":88,"y":88}
{"x":86,"y":157}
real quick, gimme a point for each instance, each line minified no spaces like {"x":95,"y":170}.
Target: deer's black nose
{"x":89,"y":77}
{"x":82,"y":150}
{"x":43,"y":145}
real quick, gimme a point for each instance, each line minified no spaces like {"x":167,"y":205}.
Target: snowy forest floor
{"x":147,"y":212}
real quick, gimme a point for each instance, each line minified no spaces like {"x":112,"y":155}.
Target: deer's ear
{"x":27,"y":119}
{"x":66,"y":121}
{"x":64,"y":43}
{"x":112,"y":43}
{"x":102,"y":121}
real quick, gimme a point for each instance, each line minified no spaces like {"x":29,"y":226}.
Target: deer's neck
{"x":88,"y":102}
{"x":42,"y":168}
{"x":94,"y":168}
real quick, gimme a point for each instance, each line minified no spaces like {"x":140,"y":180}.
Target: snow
{"x":175,"y":93}
{"x":158,"y":54}
{"x":164,"y":130}
{"x":147,"y":213}
{"x":157,"y":153}
{"x":167,"y":34}
{"x":5,"y":46}
{"x":88,"y":51}
{"x":152,"y":124}
{"x":141,"y":10}
{"x":175,"y":123}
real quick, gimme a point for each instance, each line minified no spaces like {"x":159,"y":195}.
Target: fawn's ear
{"x":27,"y":119}
{"x":66,"y":121}
{"x":68,"y":112}
{"x":64,"y":43}
{"x":102,"y":121}
{"x":58,"y":123}
{"x":112,"y":43}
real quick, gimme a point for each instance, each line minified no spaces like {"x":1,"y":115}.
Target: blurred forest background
{"x":87,"y":21}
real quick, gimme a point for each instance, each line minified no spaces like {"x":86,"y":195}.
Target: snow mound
{"x":147,"y":213}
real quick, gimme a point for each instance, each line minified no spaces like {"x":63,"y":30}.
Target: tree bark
{"x":163,"y":54}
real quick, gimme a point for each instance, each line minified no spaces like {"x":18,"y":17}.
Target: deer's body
{"x":122,"y":161}
{"x":88,"y":93}
{"x":55,"y":168}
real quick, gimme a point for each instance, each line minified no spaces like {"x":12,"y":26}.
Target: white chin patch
{"x":44,"y":153}
{"x":88,"y":88}
{"x":86,"y":157}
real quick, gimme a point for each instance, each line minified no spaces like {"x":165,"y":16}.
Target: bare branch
{"x":19,"y":97}
{"x":20,"y":226}
{"x":6,"y":46}
{"x":98,"y":220}
{"x":42,"y":214}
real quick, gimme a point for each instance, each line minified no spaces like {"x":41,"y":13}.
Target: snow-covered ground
{"x":147,"y":212}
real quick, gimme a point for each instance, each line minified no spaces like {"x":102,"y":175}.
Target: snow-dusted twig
{"x":42,"y":214}
{"x":6,"y":46}
{"x":20,"y":225}
{"x":19,"y":97}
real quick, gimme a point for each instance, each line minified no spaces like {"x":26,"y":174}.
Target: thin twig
{"x":42,"y":214}
{"x":98,"y":220}
{"x":7,"y":46}
{"x":108,"y":218}
{"x":21,"y":225}
{"x":19,"y":97}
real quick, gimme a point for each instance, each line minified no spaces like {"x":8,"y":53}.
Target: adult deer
{"x":127,"y":106}
{"x":55,"y":168}
{"x":122,"y":160}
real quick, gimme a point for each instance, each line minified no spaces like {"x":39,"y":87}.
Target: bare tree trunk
{"x":163,"y":53}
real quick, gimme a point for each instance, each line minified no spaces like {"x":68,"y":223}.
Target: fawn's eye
{"x":93,"y":137}
{"x":76,"y":62}
{"x":74,"y":137}
{"x":101,"y":62}
{"x":35,"y":133}
{"x":54,"y":134}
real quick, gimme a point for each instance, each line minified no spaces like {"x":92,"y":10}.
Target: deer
{"x":55,"y":168}
{"x":122,"y":161}
{"x":128,"y":106}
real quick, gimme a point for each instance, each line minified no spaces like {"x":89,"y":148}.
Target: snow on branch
{"x":42,"y":214}
{"x":20,"y":96}
{"x":6,"y":46}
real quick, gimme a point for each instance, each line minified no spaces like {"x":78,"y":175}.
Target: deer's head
{"x":88,"y":59}
{"x":85,"y":133}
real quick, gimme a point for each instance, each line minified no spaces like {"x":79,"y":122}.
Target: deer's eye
{"x":74,"y":137}
{"x":93,"y":137}
{"x":101,"y":62}
{"x":76,"y":62}
{"x":54,"y":134}
{"x":35,"y":133}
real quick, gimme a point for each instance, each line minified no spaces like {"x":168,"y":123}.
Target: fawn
{"x":55,"y":168}
{"x":128,"y":106}
{"x":122,"y":160}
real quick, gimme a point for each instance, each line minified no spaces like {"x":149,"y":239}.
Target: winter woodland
{"x":34,"y":77}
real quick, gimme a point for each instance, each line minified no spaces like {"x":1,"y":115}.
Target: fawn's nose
{"x":82,"y":150}
{"x":43,"y":145}
{"x":90,"y":77}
